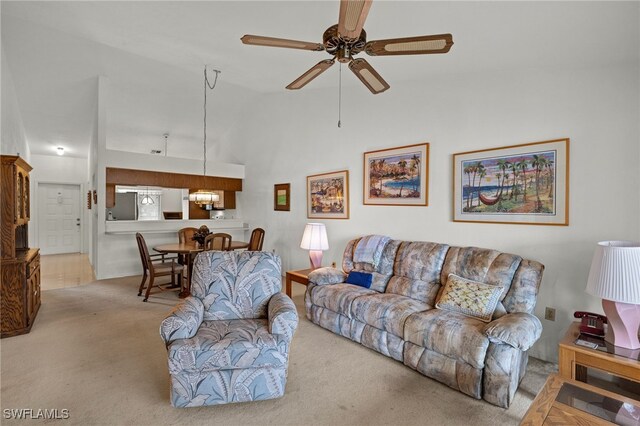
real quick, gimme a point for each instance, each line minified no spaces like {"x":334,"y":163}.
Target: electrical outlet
{"x":550,"y":313}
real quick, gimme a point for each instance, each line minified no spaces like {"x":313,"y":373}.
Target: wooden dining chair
{"x":257,"y":238}
{"x":219,"y":242}
{"x":185,"y":235}
{"x":153,"y":267}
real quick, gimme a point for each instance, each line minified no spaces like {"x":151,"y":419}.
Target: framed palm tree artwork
{"x":519,"y":184}
{"x":397,"y":176}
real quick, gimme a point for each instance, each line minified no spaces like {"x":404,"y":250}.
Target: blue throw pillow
{"x":363,"y":279}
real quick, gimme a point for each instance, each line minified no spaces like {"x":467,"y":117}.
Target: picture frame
{"x":397,"y":176}
{"x":526,"y":184}
{"x":282,"y":197}
{"x":328,"y":195}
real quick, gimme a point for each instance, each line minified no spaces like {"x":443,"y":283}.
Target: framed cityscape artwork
{"x":328,"y":195}
{"x":281,"y":197}
{"x":397,"y":176}
{"x":520,"y":184}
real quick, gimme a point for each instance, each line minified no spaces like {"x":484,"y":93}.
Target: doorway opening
{"x":60,"y":230}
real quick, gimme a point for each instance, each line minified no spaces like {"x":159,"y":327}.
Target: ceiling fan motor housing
{"x":344,"y":48}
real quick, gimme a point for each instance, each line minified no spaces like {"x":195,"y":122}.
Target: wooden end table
{"x":300,"y":276}
{"x":573,"y":360}
{"x":568,"y":402}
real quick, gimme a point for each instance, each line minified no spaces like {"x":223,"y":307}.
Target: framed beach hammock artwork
{"x":519,"y":184}
{"x":328,"y":195}
{"x":397,"y":176}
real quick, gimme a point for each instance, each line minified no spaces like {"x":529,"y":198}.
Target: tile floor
{"x":65,"y":270}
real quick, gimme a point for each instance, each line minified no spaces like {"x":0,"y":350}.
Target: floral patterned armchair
{"x":229,"y":341}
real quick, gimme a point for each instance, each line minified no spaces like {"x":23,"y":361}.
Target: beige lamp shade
{"x":615,"y":272}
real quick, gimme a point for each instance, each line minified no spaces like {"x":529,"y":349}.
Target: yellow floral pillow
{"x":470,"y":298}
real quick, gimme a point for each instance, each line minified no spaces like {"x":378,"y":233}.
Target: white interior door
{"x":58,"y":218}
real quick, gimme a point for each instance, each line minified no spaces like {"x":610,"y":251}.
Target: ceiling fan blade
{"x":420,"y":45}
{"x":313,"y":72}
{"x":353,"y":13}
{"x":280,"y":42}
{"x":367,"y":75}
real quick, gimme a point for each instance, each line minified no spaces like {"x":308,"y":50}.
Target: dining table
{"x":188,"y":250}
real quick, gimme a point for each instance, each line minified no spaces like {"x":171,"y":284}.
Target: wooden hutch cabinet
{"x":20,"y":287}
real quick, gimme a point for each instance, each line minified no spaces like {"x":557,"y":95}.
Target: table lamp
{"x":314,"y":239}
{"x":615,"y":277}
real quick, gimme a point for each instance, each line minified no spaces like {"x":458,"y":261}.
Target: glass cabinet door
{"x":27,"y":198}
{"x":19,"y":197}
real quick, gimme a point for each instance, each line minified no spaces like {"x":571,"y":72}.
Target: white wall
{"x":116,"y":255}
{"x":14,"y":140}
{"x":295,"y":134}
{"x":159,"y":163}
{"x":172,"y":200}
{"x":60,"y":169}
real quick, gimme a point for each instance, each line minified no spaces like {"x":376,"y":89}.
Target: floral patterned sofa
{"x":229,"y":341}
{"x":397,"y":317}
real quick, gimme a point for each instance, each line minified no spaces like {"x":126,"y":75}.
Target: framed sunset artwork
{"x":397,"y":176}
{"x":328,"y":195}
{"x":519,"y":184}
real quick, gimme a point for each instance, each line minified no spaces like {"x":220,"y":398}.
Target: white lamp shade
{"x":615,"y":272}
{"x":314,"y":237}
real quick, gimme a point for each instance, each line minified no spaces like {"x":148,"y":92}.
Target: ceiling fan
{"x":348,"y":38}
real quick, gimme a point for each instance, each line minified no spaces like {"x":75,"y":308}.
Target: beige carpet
{"x":95,"y":350}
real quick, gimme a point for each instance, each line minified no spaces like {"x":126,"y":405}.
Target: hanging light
{"x":204,"y":197}
{"x":147,"y":199}
{"x":166,"y":137}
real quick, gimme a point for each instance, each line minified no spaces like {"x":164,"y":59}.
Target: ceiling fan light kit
{"x":348,"y":38}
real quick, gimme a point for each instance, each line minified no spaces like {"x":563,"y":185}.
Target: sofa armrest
{"x":326,"y":276}
{"x":519,"y":330}
{"x":183,"y":322}
{"x":283,"y":316}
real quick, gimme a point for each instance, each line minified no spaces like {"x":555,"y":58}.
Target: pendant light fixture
{"x":166,"y":140}
{"x":147,"y":199}
{"x":204,"y":197}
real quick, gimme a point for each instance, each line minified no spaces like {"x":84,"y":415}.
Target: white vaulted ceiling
{"x":153,"y":54}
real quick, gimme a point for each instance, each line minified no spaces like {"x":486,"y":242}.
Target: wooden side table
{"x":573,"y":360}
{"x":567,"y":402}
{"x":300,"y":276}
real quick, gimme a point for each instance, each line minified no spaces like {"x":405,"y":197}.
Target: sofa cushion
{"x":471,"y":298}
{"x":449,"y":333}
{"x":326,"y":276}
{"x":386,"y":311}
{"x":362,"y":279}
{"x":338,"y":297}
{"x":228,"y":344}
{"x":381,"y":273}
{"x":524,"y":290}
{"x":483,"y":265}
{"x":416,"y":272}
{"x":369,"y":249}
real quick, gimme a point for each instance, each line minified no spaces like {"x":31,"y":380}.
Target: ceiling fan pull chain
{"x":340,"y":97}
